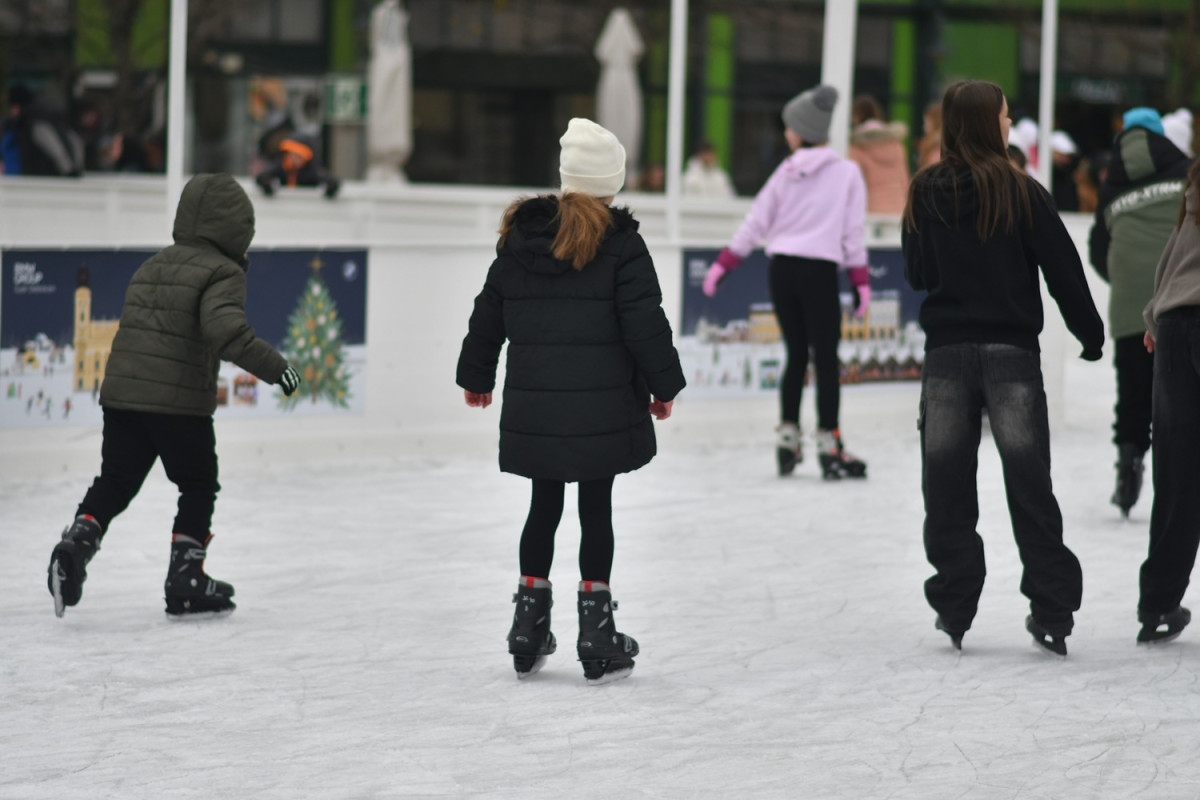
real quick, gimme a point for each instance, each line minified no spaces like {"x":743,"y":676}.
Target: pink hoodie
{"x":814,"y":206}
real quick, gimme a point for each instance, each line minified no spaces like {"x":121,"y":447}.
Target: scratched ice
{"x":787,"y":650}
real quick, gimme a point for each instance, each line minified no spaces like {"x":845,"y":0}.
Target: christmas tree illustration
{"x":314,"y":345}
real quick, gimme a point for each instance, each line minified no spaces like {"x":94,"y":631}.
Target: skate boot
{"x":530,"y":639}
{"x":1129,"y":478}
{"x":69,"y":560}
{"x":788,"y":452}
{"x":835,"y":462}
{"x":1051,"y":637}
{"x":1164,"y":627}
{"x":956,"y":637}
{"x":606,"y":654}
{"x":188,"y":590}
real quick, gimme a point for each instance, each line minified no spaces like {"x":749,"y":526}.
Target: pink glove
{"x":859,"y":277}
{"x":726,"y":263}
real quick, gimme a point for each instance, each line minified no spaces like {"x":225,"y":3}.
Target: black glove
{"x":332,"y":185}
{"x":1091,"y":355}
{"x":266,"y":183}
{"x":289,"y":381}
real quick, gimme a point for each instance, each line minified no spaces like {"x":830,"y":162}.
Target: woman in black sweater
{"x":976,"y":230}
{"x":590,"y":358}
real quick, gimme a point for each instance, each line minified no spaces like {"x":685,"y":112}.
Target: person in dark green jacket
{"x":184,"y":312}
{"x":1138,"y":204}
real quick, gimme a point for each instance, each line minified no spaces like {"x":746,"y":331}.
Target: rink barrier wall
{"x":428,"y":251}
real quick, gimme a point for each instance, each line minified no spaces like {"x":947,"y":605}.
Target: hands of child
{"x":478,"y":400}
{"x":659,"y":409}
{"x":862,"y":299}
{"x":1148,"y":340}
{"x":289,"y":381}
{"x":712,"y":279}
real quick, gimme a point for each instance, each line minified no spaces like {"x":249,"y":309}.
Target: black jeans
{"x":133,"y":441}
{"x":595,"y":527}
{"x":1135,"y":382}
{"x":958,"y":382}
{"x":1175,"y":516}
{"x":804,"y":292}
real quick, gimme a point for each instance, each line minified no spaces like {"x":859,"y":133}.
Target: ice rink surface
{"x":787,"y":650}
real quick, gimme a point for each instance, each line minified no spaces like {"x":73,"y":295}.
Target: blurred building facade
{"x":495,"y":81}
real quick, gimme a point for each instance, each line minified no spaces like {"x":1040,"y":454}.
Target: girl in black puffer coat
{"x":590,"y":358}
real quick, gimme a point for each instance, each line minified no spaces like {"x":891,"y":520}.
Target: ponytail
{"x":582,"y":220}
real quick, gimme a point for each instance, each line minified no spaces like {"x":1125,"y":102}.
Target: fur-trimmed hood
{"x":535,"y":224}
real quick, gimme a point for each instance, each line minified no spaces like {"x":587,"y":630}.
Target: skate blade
{"x":1163,"y":639}
{"x":188,"y":616}
{"x":1050,"y":648}
{"x":57,"y":576}
{"x":526,"y":667}
{"x":611,"y":675}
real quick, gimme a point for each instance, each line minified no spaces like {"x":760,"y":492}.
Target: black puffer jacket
{"x":185,"y":310}
{"x":586,"y":350}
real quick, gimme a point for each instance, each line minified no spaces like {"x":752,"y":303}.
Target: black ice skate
{"x":530,"y":639}
{"x":956,"y":637}
{"x":606,"y":654}
{"x":788,"y":452}
{"x":1164,"y":627}
{"x":1129,"y":478}
{"x":1053,"y":640}
{"x":188,"y":590}
{"x":69,"y":560}
{"x":835,"y":462}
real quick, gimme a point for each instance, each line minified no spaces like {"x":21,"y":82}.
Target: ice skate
{"x":835,"y":462}
{"x":188,"y":590}
{"x":1129,"y":478}
{"x":1051,"y":641}
{"x":606,"y":654}
{"x":956,"y":637}
{"x":530,"y":639}
{"x":69,"y":560}
{"x":1164,"y":627}
{"x":788,"y":451}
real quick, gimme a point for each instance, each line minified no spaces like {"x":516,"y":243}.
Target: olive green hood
{"x":215,"y":210}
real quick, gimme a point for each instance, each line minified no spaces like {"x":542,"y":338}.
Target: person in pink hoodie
{"x":810,"y":215}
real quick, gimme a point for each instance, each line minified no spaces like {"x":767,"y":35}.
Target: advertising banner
{"x":60,"y":309}
{"x":731,"y":343}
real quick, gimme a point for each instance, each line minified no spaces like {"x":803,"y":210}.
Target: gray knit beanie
{"x":808,"y":113}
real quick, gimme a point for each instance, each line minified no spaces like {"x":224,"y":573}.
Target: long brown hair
{"x":971,"y":137}
{"x":1193,"y":179}
{"x":583,"y":221}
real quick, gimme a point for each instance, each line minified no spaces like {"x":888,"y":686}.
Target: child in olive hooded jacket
{"x":184,"y":311}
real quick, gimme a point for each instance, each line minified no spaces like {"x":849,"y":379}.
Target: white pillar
{"x":676,"y":85}
{"x":837,"y":65}
{"x":1046,"y":87}
{"x":176,"y":106}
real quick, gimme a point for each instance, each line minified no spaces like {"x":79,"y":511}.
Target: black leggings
{"x":804,"y":292}
{"x":595,"y":524}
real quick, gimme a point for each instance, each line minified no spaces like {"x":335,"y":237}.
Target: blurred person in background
{"x":929,"y":149}
{"x":878,"y":148}
{"x":1064,"y":156}
{"x":703,"y":176}
{"x":1138,"y":205}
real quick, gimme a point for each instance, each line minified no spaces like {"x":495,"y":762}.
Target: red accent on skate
{"x":589,"y":586}
{"x":531,"y":581}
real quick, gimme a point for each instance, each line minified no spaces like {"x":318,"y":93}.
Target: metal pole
{"x":176,"y":105}
{"x":837,"y":65}
{"x":1046,"y":87}
{"x":676,"y":85}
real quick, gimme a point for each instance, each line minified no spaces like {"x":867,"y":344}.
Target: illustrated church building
{"x":93,"y":338}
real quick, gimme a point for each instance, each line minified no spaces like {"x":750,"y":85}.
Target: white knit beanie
{"x":592,"y":161}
